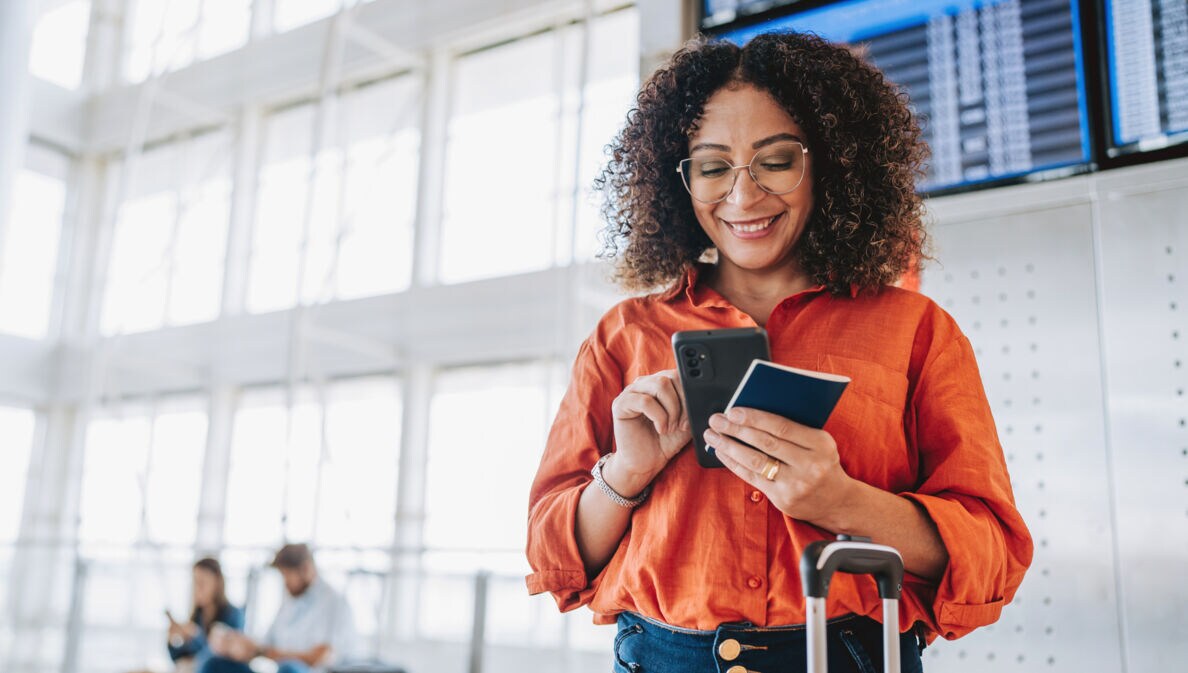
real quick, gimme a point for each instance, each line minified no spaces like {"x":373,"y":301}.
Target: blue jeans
{"x":644,"y":645}
{"x":217,"y":664}
{"x":221,"y":665}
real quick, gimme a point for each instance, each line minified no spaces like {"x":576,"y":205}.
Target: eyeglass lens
{"x":777,"y":169}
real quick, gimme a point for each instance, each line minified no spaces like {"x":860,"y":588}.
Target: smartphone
{"x":711,"y":364}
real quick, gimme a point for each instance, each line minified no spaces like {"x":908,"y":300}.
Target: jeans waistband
{"x":677,"y":635}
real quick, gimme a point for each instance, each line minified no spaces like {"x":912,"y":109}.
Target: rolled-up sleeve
{"x":966,"y":490}
{"x":581,"y":432}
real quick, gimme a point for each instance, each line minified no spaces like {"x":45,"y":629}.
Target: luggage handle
{"x":855,"y":555}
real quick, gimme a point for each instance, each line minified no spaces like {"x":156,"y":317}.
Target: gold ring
{"x":772,"y":469}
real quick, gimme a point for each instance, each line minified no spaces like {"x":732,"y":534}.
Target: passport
{"x":801,"y":395}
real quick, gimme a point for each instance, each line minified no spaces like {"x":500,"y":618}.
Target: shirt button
{"x":729,"y":649}
{"x":756,"y":496}
{"x":737,"y":669}
{"x":754,"y":582}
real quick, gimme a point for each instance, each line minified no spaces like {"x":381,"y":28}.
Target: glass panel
{"x":274,"y":468}
{"x":487,"y":426}
{"x":30,"y":259}
{"x":503,"y":168}
{"x":164,"y":35}
{"x":609,"y":94}
{"x":280,"y":209}
{"x":288,"y":14}
{"x":224,"y":27}
{"x":139,"y":266}
{"x":170,"y":237}
{"x":16,"y":427}
{"x":60,"y":43}
{"x":357,"y":503}
{"x":175,"y":475}
{"x":115,"y":468}
{"x":379,"y":203}
{"x":360,"y":238}
{"x":142,"y":474}
{"x":281,"y":486}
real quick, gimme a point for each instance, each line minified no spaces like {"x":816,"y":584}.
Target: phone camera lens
{"x":695,"y":373}
{"x":689,"y":352}
{"x":692,"y":362}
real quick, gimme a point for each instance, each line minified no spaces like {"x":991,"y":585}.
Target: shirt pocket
{"x":867,"y":423}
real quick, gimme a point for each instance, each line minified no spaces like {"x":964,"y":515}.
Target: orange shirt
{"x":706,"y":548}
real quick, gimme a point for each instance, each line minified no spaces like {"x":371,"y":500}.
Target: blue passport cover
{"x":801,"y":395}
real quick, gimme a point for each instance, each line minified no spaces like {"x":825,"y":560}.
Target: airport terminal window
{"x":609,"y":93}
{"x":271,"y":469}
{"x":510,"y":168}
{"x":169,"y":243}
{"x":361,"y":207}
{"x":487,"y":427}
{"x":165,"y":35}
{"x":142,"y":473}
{"x":16,"y":426}
{"x":379,"y":122}
{"x":504,"y":166}
{"x":289,"y":14}
{"x":60,"y":43}
{"x":280,"y":209}
{"x":287,"y":483}
{"x":30,"y":252}
{"x":357,"y":507}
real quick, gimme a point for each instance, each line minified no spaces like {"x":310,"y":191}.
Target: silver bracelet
{"x":629,"y":503}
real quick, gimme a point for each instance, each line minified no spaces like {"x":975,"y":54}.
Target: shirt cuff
{"x":974,"y":569}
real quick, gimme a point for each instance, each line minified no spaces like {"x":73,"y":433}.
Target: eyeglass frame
{"x":804,"y":150}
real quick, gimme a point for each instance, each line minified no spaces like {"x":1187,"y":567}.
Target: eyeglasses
{"x":777,"y":169}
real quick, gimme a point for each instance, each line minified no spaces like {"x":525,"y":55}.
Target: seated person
{"x":188,"y":642}
{"x":313,"y":629}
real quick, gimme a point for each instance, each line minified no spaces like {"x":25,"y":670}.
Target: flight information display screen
{"x":1147,"y":53}
{"x":998,"y":86}
{"x":718,"y":12}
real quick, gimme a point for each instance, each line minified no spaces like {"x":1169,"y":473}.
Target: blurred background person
{"x":313,"y":629}
{"x":188,"y":642}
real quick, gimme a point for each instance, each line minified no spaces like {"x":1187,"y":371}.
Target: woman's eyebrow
{"x":777,"y":137}
{"x":755,"y":145}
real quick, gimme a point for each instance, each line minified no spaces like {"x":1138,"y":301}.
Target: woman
{"x":771,"y":185}
{"x":188,"y":642}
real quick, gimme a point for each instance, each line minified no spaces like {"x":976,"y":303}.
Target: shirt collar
{"x":701,"y":295}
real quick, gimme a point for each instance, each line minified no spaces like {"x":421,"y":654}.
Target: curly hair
{"x":865,"y":227}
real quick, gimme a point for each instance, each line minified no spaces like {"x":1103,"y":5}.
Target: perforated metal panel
{"x":1145,"y":301}
{"x":1022,"y":286}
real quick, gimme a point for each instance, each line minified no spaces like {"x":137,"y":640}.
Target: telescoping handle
{"x":856,"y":555}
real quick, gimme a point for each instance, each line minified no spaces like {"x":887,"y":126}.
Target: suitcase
{"x":856,"y":555}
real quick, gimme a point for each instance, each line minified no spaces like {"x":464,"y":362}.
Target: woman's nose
{"x":746,"y":191}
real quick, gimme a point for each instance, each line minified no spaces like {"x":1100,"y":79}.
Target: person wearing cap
{"x":313,"y":629}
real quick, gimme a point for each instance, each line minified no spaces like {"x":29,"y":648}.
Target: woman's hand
{"x":809,"y":482}
{"x":651,"y":427}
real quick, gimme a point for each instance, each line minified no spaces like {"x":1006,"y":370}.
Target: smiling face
{"x":753,"y":230}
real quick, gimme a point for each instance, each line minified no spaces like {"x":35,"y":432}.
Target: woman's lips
{"x":752,"y":229}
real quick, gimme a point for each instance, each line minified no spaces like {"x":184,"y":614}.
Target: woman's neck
{"x":748,"y":287}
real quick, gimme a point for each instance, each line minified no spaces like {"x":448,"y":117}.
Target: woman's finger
{"x":752,"y":460}
{"x":742,"y":471}
{"x":660,"y":387}
{"x":766,"y":442}
{"x":633,"y":404}
{"x":773,"y":424}
{"x":672,"y":385}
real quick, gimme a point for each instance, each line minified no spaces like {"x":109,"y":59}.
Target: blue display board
{"x":1147,"y":56}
